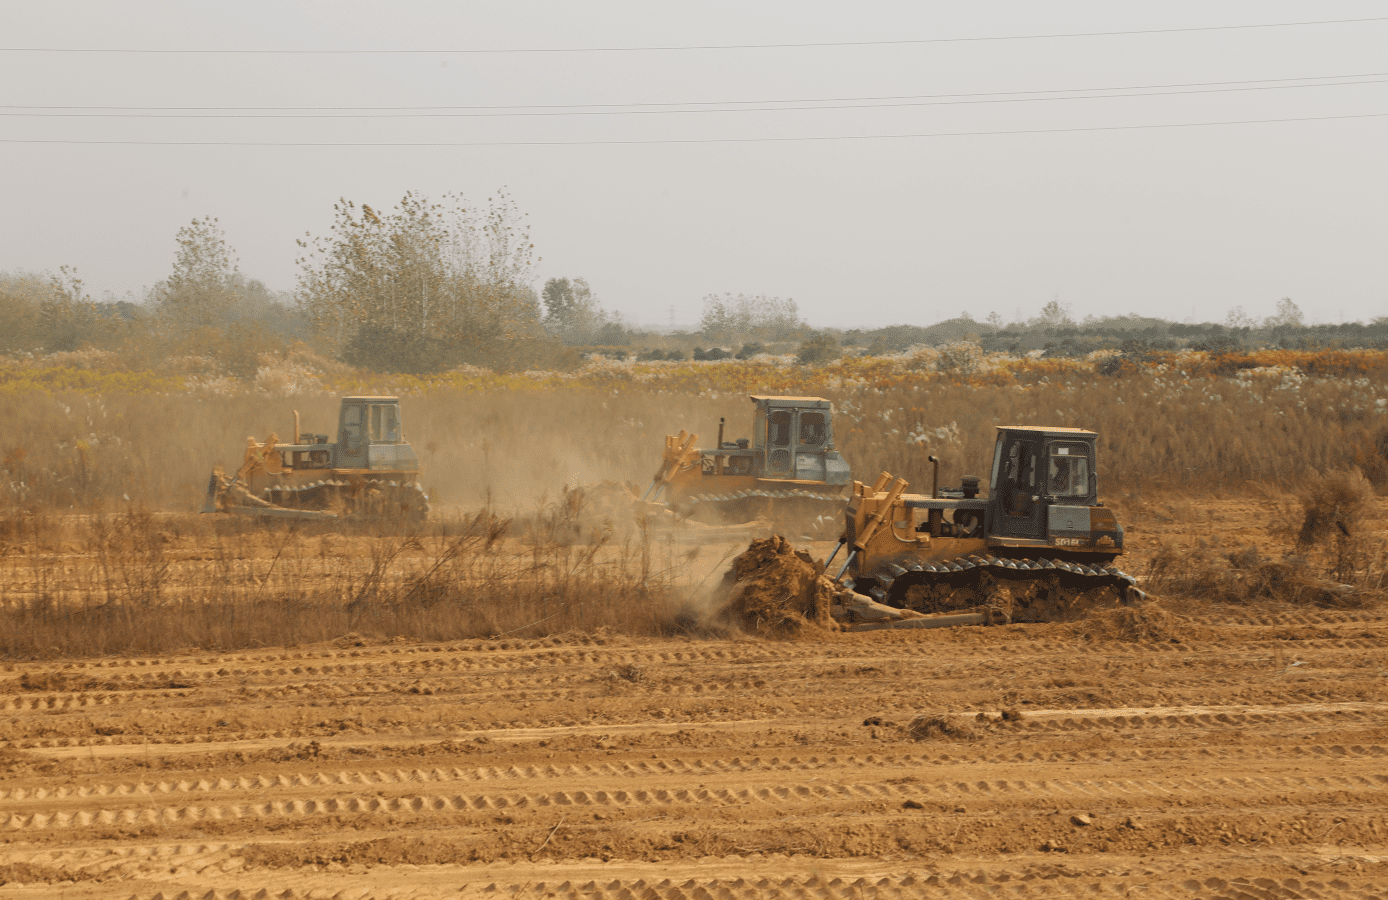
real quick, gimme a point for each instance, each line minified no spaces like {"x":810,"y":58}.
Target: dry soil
{"x":1226,"y":752}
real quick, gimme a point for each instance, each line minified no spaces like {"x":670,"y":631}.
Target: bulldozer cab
{"x":1035,"y":468}
{"x":362,"y":423}
{"x":793,"y":434}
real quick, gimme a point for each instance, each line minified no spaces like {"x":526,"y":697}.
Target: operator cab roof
{"x":1049,"y":429}
{"x":372,"y":399}
{"x":803,"y":402}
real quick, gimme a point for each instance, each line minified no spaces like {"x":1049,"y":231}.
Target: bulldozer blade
{"x":276,"y":512}
{"x":209,"y":503}
{"x":993,"y":617}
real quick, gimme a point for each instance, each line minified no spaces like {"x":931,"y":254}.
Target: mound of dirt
{"x":936,"y":728}
{"x":775,"y":590}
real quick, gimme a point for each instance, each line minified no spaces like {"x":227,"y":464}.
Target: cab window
{"x":779,"y":428}
{"x":1067,"y":470}
{"x":811,"y":429}
{"x":1019,"y":478}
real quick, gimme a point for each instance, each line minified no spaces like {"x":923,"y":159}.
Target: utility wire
{"x":788,"y":46}
{"x":777,"y":140}
{"x":562,"y":106}
{"x":162,"y":114}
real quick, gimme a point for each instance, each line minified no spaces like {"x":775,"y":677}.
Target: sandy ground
{"x":1236,"y":753}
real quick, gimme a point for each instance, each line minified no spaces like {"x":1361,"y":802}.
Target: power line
{"x":647,"y":109}
{"x":1122,"y":87}
{"x":778,"y":140}
{"x":786,"y":46}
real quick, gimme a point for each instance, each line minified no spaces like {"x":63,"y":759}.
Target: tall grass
{"x":519,"y":437}
{"x":139,"y":583}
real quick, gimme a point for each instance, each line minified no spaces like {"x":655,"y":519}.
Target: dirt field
{"x":1197,"y":752}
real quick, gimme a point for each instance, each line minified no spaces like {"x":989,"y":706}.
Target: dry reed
{"x":80,"y":452}
{"x":135,"y":583}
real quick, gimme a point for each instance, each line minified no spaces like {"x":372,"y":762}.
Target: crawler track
{"x":374,"y":499}
{"x":1032,"y":589}
{"x":804,"y":513}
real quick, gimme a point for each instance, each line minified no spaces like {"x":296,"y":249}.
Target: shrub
{"x":818,"y":350}
{"x":1334,"y":503}
{"x":961,"y":358}
{"x":1372,"y":457}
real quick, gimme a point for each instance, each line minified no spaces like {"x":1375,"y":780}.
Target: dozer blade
{"x":279,"y":512}
{"x":987,"y":617}
{"x":209,"y":503}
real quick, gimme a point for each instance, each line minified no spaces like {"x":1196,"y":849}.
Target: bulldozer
{"x":788,"y":472}
{"x":370,"y":471}
{"x":1041,"y":538}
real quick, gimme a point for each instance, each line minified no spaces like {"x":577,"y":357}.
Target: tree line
{"x":427,"y":286}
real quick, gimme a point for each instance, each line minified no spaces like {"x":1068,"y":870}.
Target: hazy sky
{"x":1012,"y":198}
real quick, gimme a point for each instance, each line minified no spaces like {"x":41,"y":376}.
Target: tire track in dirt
{"x":202,"y":870}
{"x":1061,"y":720}
{"x":1366,"y":788}
{"x":673,"y":767}
{"x":1247,"y":776}
{"x":957,"y":886}
{"x":380,"y":676}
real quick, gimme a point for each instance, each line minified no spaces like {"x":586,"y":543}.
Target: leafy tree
{"x":572,"y":312}
{"x":20,"y":296}
{"x":200,"y":291}
{"x":1237,"y":318}
{"x":1288,"y":315}
{"x":820,"y":349}
{"x":727,"y":318}
{"x":68,"y":318}
{"x":424,"y":286}
{"x":1054,"y":316}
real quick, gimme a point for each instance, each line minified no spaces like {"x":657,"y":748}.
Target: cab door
{"x":780,"y":435}
{"x":353,"y":422}
{"x":811,"y":435}
{"x":1020,"y":511}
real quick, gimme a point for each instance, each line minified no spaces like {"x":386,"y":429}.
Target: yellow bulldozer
{"x":369,"y":471}
{"x":788,"y":472}
{"x":1041,"y":540}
